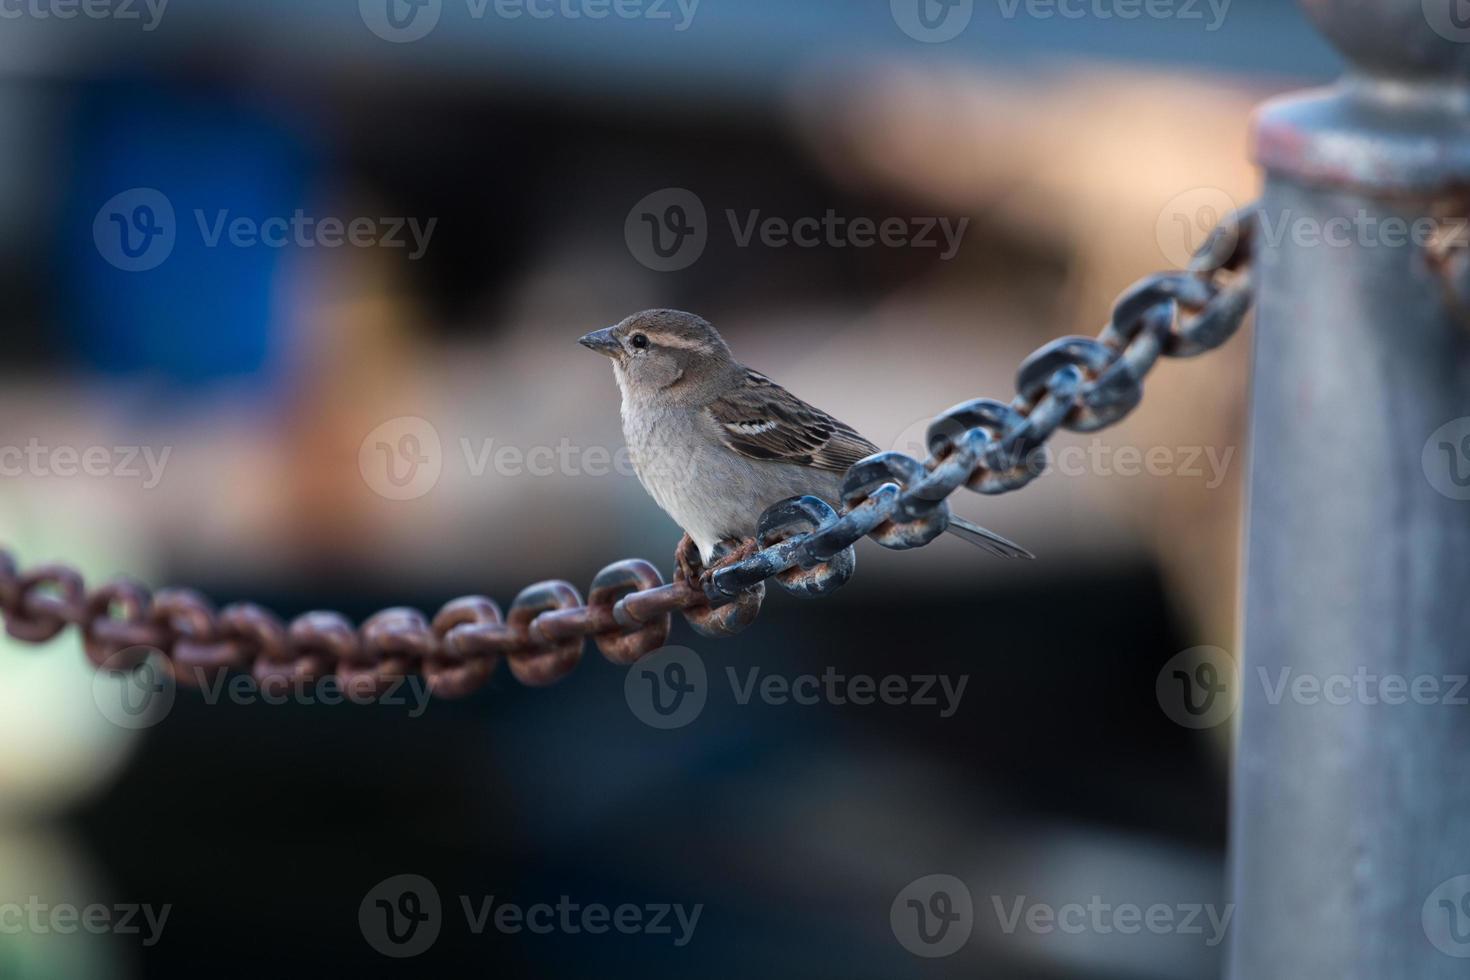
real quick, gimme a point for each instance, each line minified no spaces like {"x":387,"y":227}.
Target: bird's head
{"x":662,"y":351}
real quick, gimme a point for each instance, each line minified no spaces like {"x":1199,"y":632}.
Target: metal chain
{"x":1076,"y":383}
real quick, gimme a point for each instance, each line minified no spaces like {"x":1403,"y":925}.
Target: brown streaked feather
{"x":761,"y":420}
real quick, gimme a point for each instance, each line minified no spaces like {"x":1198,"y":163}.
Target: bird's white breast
{"x":673,"y":462}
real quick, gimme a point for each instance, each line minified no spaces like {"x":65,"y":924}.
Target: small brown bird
{"x":716,"y":443}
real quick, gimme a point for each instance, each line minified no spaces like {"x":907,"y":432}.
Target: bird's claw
{"x":734,"y":555}
{"x":687,"y":564}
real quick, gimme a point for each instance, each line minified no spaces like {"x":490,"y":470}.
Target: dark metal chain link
{"x":805,"y":545}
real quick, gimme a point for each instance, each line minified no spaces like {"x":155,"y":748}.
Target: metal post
{"x":1351,"y":813}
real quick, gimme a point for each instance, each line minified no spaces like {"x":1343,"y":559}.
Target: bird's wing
{"x":761,"y":420}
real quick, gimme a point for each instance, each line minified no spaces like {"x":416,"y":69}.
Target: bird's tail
{"x":989,"y":540}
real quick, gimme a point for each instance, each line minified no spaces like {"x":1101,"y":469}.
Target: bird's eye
{"x":640,"y":341}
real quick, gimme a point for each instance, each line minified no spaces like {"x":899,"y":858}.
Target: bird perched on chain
{"x":716,"y":443}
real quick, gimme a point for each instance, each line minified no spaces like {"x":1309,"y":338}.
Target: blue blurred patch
{"x":154,"y":167}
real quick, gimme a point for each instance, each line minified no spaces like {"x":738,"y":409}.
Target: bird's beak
{"x":603,"y":342}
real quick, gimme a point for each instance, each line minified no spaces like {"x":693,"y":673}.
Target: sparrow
{"x":715,"y":443}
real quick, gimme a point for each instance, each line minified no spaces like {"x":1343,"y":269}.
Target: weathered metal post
{"x":1351,"y":814}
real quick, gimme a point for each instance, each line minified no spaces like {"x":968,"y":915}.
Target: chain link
{"x":804,"y":544}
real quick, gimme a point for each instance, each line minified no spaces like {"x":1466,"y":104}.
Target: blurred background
{"x":248,"y":249}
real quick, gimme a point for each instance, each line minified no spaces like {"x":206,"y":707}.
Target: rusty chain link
{"x":988,"y":446}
